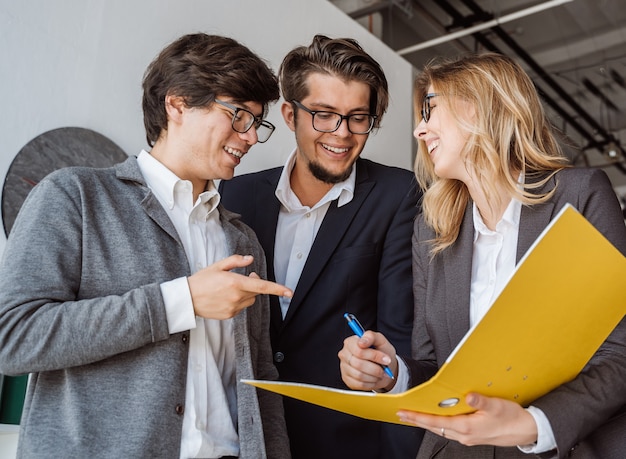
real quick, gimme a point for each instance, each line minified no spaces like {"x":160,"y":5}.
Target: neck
{"x":306,"y":187}
{"x":160,"y":153}
{"x":491,"y":208}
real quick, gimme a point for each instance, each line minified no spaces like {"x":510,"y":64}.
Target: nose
{"x":250,"y":136}
{"x":342,"y":130}
{"x":420,"y":130}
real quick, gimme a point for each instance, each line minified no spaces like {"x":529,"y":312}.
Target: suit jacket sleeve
{"x":580,"y":407}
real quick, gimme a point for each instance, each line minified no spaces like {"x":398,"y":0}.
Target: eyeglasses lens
{"x":329,"y":122}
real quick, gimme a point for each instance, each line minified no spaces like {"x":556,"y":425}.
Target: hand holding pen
{"x":358,"y":330}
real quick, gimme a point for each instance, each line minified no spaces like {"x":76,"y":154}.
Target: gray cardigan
{"x":81,"y":310}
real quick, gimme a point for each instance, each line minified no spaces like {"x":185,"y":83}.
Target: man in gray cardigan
{"x":130,"y":294}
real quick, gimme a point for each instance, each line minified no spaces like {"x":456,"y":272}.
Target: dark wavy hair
{"x":198,"y":67}
{"x":342,"y":57}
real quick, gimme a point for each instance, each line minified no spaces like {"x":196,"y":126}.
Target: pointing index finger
{"x":260,"y":286}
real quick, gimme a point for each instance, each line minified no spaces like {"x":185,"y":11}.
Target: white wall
{"x":80,"y":63}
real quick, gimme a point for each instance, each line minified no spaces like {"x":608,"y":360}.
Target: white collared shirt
{"x":298,"y":225}
{"x":493,"y":258}
{"x":211,"y":403}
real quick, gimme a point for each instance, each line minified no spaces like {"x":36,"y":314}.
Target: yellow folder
{"x":565,"y":297}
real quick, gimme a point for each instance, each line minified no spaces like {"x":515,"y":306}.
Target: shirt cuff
{"x":402,"y":378}
{"x":545,"y":435}
{"x":178,"y":305}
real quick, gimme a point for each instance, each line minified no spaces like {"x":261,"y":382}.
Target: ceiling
{"x":574,"y":50}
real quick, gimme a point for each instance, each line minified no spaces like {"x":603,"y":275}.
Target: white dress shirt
{"x":210,"y":419}
{"x":298,"y":225}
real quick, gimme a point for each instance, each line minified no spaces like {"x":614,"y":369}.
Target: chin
{"x":327,"y":176}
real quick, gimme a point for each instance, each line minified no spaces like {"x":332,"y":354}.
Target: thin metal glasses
{"x":243,"y":120}
{"x":426,"y":108}
{"x":323,"y":121}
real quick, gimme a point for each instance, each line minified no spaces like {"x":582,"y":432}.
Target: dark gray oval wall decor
{"x":52,"y":150}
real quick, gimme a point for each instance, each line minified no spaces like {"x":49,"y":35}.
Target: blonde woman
{"x":493,"y":177}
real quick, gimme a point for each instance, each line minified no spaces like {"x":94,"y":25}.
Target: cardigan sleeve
{"x":48,"y":318}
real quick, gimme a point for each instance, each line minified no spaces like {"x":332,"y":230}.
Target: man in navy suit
{"x":337,"y":230}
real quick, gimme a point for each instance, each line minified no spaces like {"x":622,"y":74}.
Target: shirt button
{"x":279,"y":357}
{"x":299,"y":256}
{"x":185,"y":338}
{"x":307,"y":215}
{"x":180,"y":409}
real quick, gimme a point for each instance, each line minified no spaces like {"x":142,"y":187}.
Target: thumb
{"x":480,"y":402}
{"x":234,"y":261}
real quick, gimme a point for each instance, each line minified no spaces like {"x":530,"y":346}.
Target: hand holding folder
{"x":531,"y":341}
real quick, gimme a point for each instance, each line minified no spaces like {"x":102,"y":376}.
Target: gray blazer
{"x":576,"y":410}
{"x":81,"y":310}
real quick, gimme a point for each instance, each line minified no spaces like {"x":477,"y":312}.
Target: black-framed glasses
{"x":323,"y":121}
{"x":243,"y":120}
{"x":426,"y":108}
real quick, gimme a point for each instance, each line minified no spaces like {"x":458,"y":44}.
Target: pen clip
{"x":358,"y":330}
{"x":354,"y":324}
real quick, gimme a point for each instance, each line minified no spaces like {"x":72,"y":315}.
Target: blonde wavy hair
{"x":508,"y":134}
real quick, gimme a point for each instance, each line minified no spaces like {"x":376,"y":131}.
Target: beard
{"x":326,"y":176}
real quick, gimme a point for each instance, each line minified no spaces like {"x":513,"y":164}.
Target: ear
{"x":289,"y":115}
{"x":174,"y":107}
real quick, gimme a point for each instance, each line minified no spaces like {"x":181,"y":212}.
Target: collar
{"x":510,"y":218}
{"x":165,"y":184}
{"x":342,"y":191}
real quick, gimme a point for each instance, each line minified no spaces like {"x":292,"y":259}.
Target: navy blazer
{"x":442,"y":294}
{"x":360,"y":262}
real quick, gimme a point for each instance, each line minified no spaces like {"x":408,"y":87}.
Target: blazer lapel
{"x":129,"y":171}
{"x":458,"y":273}
{"x":533,"y":221}
{"x":153,"y":208}
{"x":265,"y":222}
{"x":266,"y":218}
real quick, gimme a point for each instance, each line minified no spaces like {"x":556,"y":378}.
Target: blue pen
{"x":357,"y":328}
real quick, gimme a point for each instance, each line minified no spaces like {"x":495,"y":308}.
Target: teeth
{"x":335,"y":150}
{"x":232,"y":151}
{"x":432,"y":146}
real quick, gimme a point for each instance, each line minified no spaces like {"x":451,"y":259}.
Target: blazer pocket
{"x":355,"y":252}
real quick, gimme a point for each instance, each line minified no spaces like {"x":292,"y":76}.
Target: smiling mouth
{"x":334,"y":149}
{"x":432,"y":146}
{"x":236,"y":153}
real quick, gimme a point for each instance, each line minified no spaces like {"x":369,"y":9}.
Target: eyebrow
{"x":243,"y":105}
{"x":326,"y":107}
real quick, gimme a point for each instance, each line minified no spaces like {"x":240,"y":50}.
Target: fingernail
{"x":386,"y":360}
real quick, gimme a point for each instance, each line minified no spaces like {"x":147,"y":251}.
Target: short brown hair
{"x":198,"y":67}
{"x":342,"y":57}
